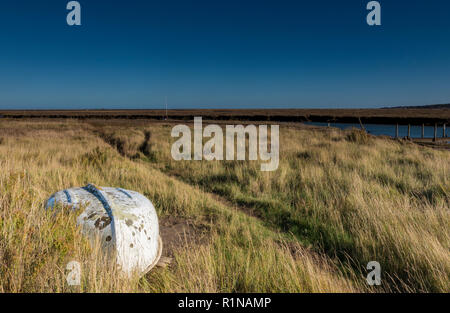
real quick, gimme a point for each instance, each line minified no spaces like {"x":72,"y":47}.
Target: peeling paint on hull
{"x":125,"y":221}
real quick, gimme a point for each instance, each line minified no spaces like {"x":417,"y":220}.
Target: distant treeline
{"x":416,"y":116}
{"x":431,"y":106}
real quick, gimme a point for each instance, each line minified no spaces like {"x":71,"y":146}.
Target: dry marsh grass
{"x":352,"y":197}
{"x":337,"y":201}
{"x":241,"y":253}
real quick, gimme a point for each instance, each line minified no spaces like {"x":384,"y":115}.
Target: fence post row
{"x":435,"y":132}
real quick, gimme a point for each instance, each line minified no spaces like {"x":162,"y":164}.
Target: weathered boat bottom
{"x":125,"y":220}
{"x":158,"y":257}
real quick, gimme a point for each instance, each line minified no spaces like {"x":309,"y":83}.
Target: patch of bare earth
{"x":177,"y":233}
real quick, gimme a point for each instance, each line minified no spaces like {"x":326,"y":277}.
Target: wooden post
{"x":444,"y":133}
{"x":409,"y":131}
{"x":362,"y":126}
{"x":396,"y":131}
{"x":435,"y":132}
{"x":423,"y":131}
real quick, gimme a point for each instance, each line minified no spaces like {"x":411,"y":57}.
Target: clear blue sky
{"x":223,"y":54}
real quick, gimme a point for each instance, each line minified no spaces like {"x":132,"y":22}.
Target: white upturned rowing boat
{"x":125,"y":221}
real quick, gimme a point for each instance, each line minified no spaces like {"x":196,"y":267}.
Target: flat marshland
{"x":338,"y":200}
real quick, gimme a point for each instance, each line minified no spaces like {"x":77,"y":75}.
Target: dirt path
{"x":177,"y":233}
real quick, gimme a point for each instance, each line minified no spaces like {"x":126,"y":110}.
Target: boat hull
{"x":123,"y":220}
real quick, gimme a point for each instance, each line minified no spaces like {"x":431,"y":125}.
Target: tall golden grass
{"x":352,"y":197}
{"x":38,"y":158}
{"x":337,"y":201}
